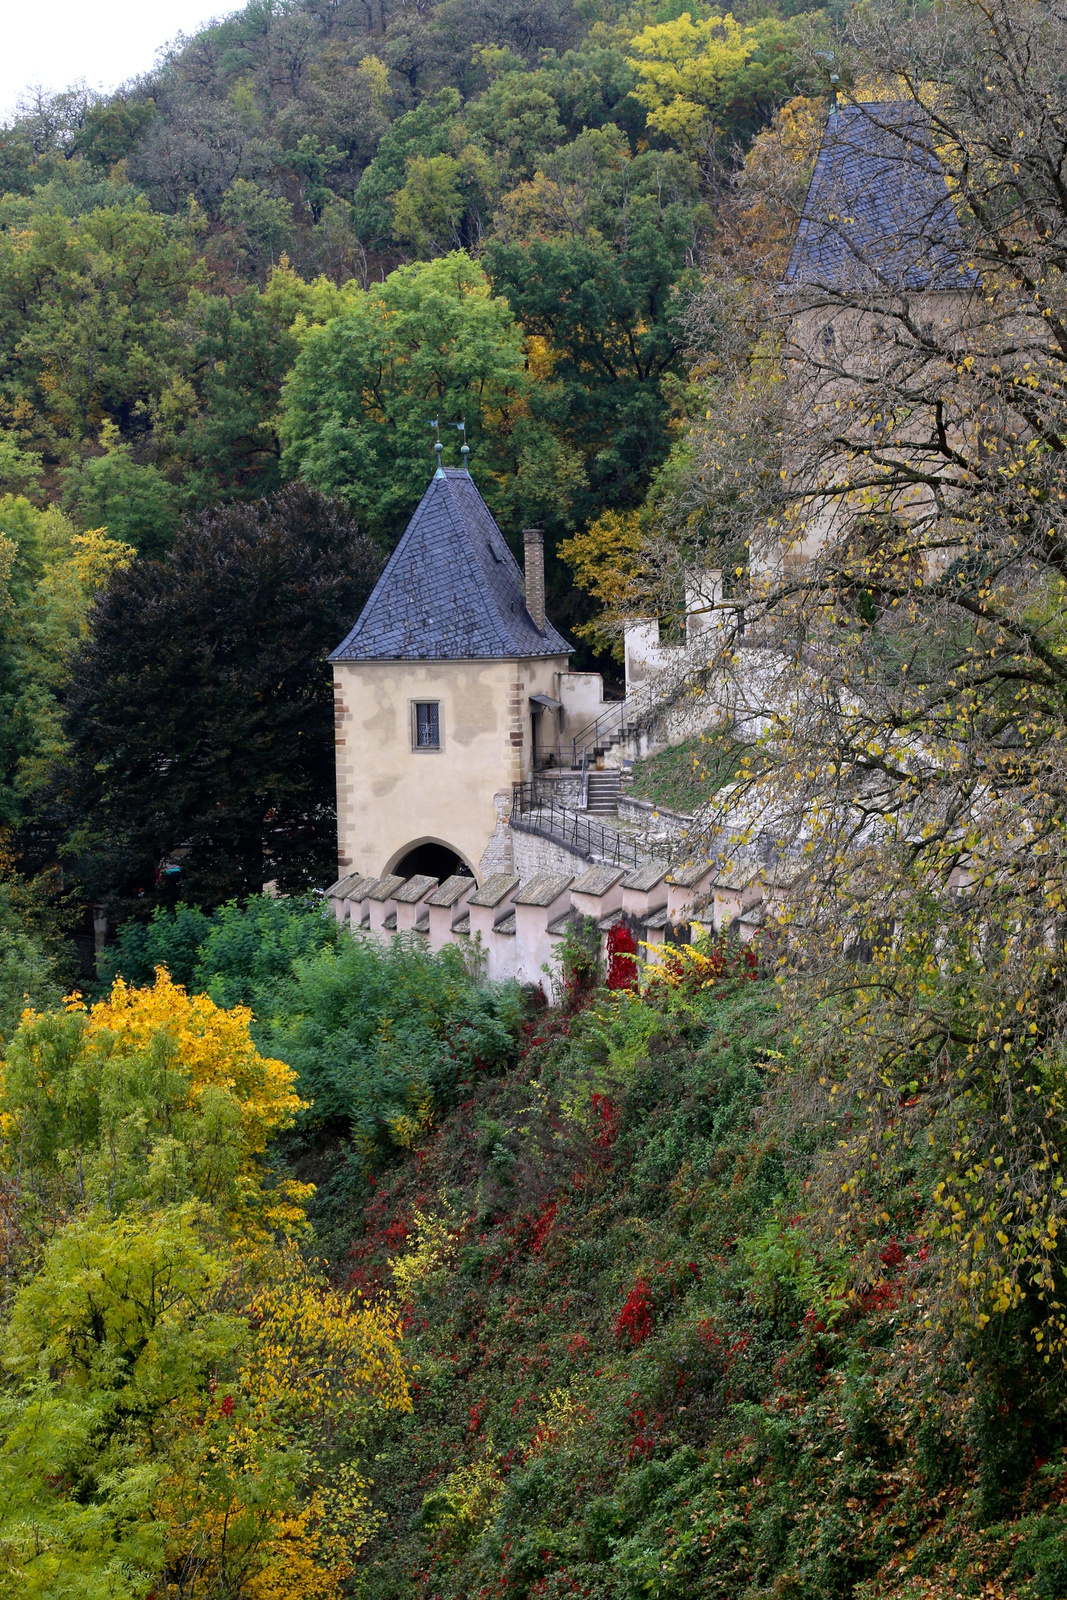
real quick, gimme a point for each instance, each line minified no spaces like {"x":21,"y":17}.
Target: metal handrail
{"x":582,"y":739}
{"x":553,"y":757}
{"x":588,"y":838}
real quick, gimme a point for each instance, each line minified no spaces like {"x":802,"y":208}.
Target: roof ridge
{"x":451,"y":590}
{"x":477,"y":564}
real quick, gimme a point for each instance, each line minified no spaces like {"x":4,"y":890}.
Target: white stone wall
{"x":532,"y":855}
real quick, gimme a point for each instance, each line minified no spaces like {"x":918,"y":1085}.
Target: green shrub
{"x":27,"y":974}
{"x":171,"y":939}
{"x":384,"y":1037}
{"x":236,"y":953}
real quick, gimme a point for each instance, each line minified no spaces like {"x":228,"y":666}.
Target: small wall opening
{"x":435,"y":860}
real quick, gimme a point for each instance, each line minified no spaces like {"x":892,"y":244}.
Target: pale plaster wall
{"x":391,"y":797}
{"x":536,"y":948}
{"x":582,"y":697}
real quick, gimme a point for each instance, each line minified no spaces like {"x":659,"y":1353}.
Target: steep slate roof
{"x":878,"y":213}
{"x":451,"y":591}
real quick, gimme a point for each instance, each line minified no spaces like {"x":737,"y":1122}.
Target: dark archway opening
{"x":435,"y":860}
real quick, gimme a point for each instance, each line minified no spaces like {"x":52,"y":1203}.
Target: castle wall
{"x":391,"y":796}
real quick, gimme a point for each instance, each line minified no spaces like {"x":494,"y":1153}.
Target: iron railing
{"x":552,"y":757}
{"x":596,"y":735}
{"x":585,"y":837}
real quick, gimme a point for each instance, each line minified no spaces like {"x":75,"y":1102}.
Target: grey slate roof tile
{"x":451,"y":591}
{"x":598,"y":880}
{"x":386,"y":887}
{"x":878,"y":213}
{"x":645,"y":878}
{"x":451,"y":890}
{"x":541,"y":891}
{"x":336,"y":891}
{"x":738,"y":876}
{"x":358,"y":887}
{"x":496,"y":888}
{"x":415,"y":889}
{"x":689,"y":873}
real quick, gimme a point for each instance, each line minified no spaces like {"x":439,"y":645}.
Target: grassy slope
{"x":684,"y":776}
{"x":626,"y":1385}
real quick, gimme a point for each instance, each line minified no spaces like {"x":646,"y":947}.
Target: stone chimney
{"x":534,"y":549}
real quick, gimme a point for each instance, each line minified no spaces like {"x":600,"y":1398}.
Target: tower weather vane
{"x":464,"y":450}
{"x":435,"y":423}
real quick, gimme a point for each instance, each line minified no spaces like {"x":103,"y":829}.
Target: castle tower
{"x":439,"y":690}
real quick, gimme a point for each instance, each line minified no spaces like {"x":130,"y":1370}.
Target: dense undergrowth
{"x":644,"y":1370}
{"x":645,"y":1355}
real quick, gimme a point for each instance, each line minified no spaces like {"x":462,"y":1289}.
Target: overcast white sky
{"x":57,"y":42}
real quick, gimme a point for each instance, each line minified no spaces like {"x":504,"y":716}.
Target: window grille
{"x":427,"y":725}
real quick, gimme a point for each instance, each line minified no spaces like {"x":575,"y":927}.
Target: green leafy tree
{"x":48,"y":624}
{"x":244,"y":348}
{"x":431,"y":341}
{"x":517,"y":120}
{"x":27,"y":973}
{"x":426,"y":131}
{"x":442,"y":205}
{"x":92,"y":314}
{"x":48,"y":575}
{"x":132,"y":1146}
{"x":713,"y":78}
{"x":19,"y":469}
{"x":200,"y":708}
{"x":382,"y":1040}
{"x":260,"y":223}
{"x":153,"y":1098}
{"x":611,"y":320}
{"x":237,"y":953}
{"x":112,"y":128}
{"x":132,"y":500}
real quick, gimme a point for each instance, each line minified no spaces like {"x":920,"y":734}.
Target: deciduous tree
{"x":882,"y":475}
{"x":200,"y":708}
{"x":431,"y":341}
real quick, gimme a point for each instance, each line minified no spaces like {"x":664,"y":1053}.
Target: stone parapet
{"x":514,"y":925}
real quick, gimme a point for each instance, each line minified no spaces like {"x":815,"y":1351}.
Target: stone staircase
{"x":604,"y":789}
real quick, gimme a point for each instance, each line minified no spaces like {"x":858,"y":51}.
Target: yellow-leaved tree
{"x":682,"y":67}
{"x":185,"y":1396}
{"x":607,"y":563}
{"x":150,"y":1097}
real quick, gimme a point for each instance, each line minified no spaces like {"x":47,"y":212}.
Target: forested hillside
{"x":307,"y":235}
{"x":165,"y":251}
{"x":596,"y":1313}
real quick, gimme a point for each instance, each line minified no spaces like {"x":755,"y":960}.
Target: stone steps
{"x":604,"y":790}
